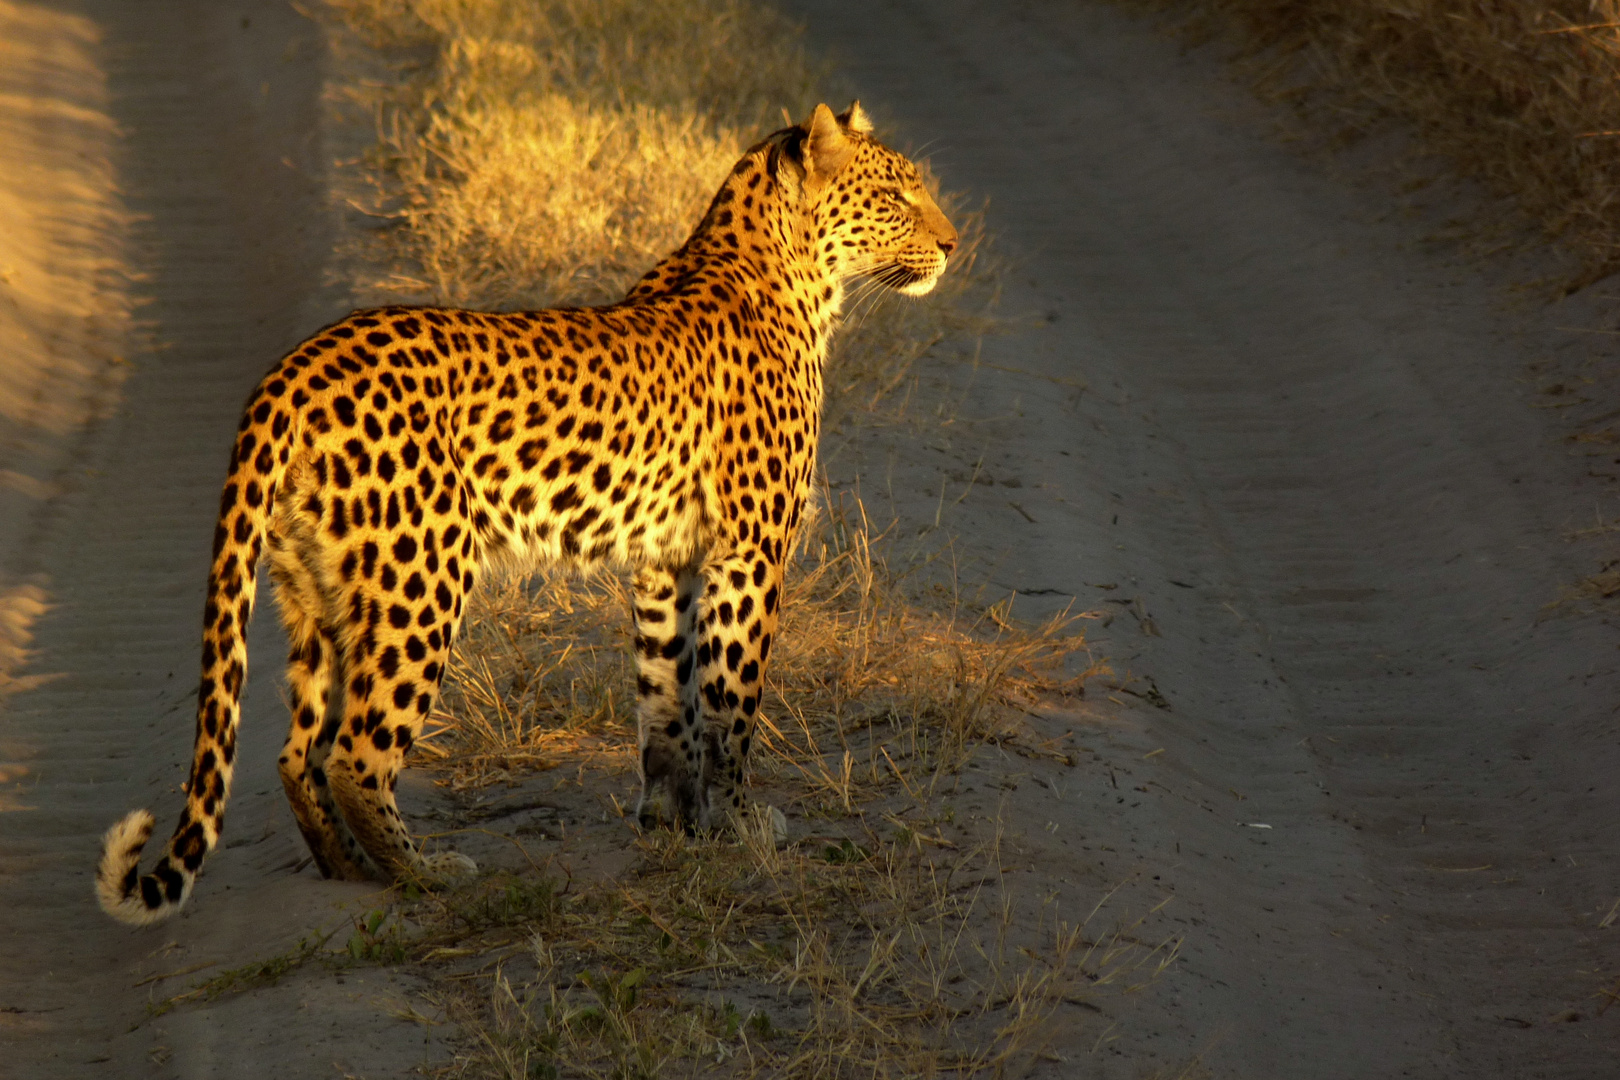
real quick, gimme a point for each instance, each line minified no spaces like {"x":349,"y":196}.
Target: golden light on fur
{"x":386,"y":463}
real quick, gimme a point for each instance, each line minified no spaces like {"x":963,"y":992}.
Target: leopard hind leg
{"x":393,"y":664}
{"x":314,"y":685}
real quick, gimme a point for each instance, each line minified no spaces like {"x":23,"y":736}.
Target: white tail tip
{"x":118,"y":884}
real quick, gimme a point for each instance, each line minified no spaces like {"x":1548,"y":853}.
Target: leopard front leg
{"x":669,"y":720}
{"x":735,"y":632}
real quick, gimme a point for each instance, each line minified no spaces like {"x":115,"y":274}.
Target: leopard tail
{"x":264,"y":444}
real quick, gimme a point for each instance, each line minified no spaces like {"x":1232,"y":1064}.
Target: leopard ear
{"x":784,"y":166}
{"x":826,"y":148}
{"x":855,"y":119}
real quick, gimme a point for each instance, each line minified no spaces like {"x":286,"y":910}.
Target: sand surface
{"x":1286,"y":445}
{"x":207,"y":115}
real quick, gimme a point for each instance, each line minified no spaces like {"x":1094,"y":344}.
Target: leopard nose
{"x":947,"y":246}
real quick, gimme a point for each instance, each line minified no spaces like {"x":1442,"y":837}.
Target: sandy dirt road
{"x":1287,"y":449}
{"x":1304,"y":471}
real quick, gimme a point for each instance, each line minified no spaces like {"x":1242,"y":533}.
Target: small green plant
{"x":845,"y":851}
{"x":616,"y":994}
{"x":376,"y":940}
{"x":759,"y":1023}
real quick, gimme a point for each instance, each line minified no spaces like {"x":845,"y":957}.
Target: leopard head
{"x":871,"y":212}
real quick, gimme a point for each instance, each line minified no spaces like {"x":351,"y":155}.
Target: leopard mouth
{"x":909,"y":280}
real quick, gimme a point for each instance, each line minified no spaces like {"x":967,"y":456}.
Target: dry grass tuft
{"x":1516,"y":95}
{"x":879,"y":956}
{"x":881,"y":680}
{"x":1592,"y":593}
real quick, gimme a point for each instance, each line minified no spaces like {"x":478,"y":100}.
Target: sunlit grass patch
{"x":538,"y":152}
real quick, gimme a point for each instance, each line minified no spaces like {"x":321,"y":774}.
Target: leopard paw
{"x":445,"y":867}
{"x":661,"y":808}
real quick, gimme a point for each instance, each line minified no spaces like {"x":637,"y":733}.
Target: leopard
{"x":388,"y":463}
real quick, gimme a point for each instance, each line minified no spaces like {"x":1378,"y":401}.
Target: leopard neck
{"x":765,"y":228}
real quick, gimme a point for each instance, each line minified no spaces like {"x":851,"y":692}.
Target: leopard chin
{"x":920,"y":287}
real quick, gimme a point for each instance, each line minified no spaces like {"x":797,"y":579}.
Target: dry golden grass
{"x":550,"y":151}
{"x":882,"y":958}
{"x":882,"y":678}
{"x":1518,"y":96}
{"x":541,"y":152}
{"x":883,"y":942}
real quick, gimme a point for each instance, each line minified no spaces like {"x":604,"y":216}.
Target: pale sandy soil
{"x":1245,"y":410}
